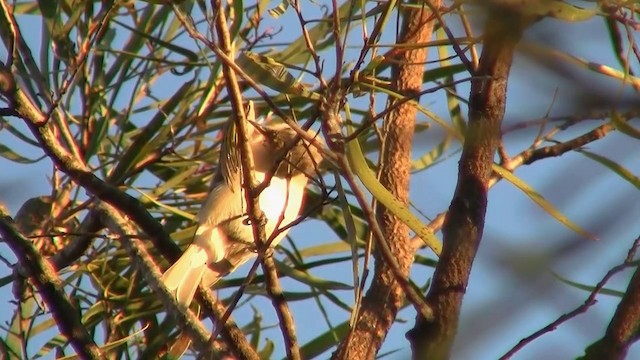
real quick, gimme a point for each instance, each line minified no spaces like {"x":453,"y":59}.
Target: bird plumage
{"x":224,"y":236}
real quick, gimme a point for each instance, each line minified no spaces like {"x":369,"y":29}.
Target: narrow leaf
{"x":614,"y":166}
{"x":588,"y":288}
{"x":324,"y":342}
{"x":542,"y":202}
{"x":624,"y":127}
{"x":358,"y":163}
{"x":269,"y":72}
{"x":9,"y":154}
{"x":279,"y":10}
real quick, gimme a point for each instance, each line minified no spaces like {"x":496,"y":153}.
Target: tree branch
{"x":624,"y":328}
{"x":529,"y":156}
{"x":108,"y":193}
{"x":589,"y":302}
{"x":143,"y":261}
{"x":50,"y":287}
{"x":386,"y":295}
{"x":464,"y":224}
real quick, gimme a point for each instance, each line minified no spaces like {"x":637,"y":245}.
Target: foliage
{"x":135,"y":93}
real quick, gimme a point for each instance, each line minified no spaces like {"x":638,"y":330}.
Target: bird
{"x":224,"y":235}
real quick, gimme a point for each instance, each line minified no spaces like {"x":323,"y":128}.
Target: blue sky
{"x":512,"y":291}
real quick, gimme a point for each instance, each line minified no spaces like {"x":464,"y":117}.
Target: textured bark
{"x":624,"y":328}
{"x":385,"y":297}
{"x":50,"y":287}
{"x":462,"y":231}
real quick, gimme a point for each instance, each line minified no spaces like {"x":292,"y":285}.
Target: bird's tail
{"x":183,"y":277}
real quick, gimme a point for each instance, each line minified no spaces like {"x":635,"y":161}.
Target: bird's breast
{"x":281,"y":201}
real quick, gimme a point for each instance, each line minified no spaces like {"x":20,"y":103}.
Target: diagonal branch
{"x":463,"y":227}
{"x":586,"y":305}
{"x":143,"y":261}
{"x":529,"y":156}
{"x":126,"y":204}
{"x":137,"y":249}
{"x":50,"y":287}
{"x":622,"y":331}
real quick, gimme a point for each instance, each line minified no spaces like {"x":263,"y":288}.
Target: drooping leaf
{"x":542,"y":202}
{"x":588,"y":288}
{"x":9,"y":154}
{"x":269,"y":72}
{"x":358,"y":163}
{"x":622,"y":171}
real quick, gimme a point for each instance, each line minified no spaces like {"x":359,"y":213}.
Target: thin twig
{"x":471,"y":67}
{"x":528,"y":157}
{"x":307,"y":39}
{"x":590,"y":301}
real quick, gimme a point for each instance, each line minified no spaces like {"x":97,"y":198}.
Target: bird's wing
{"x":229,"y":163}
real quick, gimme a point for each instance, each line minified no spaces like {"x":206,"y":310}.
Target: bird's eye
{"x":246,"y":221}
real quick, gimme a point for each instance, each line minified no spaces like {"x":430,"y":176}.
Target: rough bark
{"x":462,"y":231}
{"x":624,"y":328}
{"x":385,"y":297}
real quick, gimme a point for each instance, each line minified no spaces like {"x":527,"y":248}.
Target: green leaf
{"x":624,"y":127}
{"x":112,"y":345}
{"x":557,"y":9}
{"x":238,"y":9}
{"x":321,"y":36}
{"x":358,"y":163}
{"x":589,"y":288}
{"x":99,"y":135}
{"x":445,"y":71}
{"x":325,"y":341}
{"x":309,"y":279}
{"x":332,"y":216}
{"x":6,"y":125}
{"x":279,"y":10}
{"x":14,"y":336}
{"x":171,"y":209}
{"x":177,"y":182}
{"x":9,"y":154}
{"x":432,"y":157}
{"x":62,"y":45}
{"x":542,"y":202}
{"x":143,"y":144}
{"x":614,"y":166}
{"x":254,"y":328}
{"x":336,"y":247}
{"x":269,"y":72}
{"x":560,"y":10}
{"x":267,"y":351}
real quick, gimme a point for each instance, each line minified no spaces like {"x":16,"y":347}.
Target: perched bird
{"x":224,"y":236}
